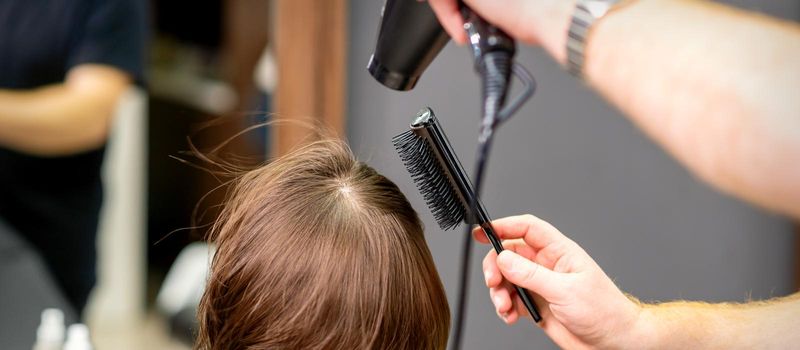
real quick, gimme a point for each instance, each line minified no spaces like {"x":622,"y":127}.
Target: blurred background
{"x":214,"y":68}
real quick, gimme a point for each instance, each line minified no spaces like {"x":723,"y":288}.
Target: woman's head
{"x":317,"y":250}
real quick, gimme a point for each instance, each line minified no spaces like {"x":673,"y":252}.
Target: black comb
{"x":441,"y":179}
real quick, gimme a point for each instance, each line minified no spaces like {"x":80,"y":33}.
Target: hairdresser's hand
{"x":542,"y":22}
{"x":581,"y":308}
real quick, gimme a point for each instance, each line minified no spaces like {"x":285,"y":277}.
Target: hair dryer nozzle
{"x":410,"y":37}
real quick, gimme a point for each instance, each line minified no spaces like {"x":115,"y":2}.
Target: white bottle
{"x":78,"y":338}
{"x":50,"y":334}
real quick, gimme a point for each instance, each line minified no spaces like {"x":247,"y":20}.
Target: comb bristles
{"x":429,"y":175}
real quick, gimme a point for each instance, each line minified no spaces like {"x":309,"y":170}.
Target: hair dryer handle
{"x":484,"y":37}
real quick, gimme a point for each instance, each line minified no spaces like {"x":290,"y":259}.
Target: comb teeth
{"x":429,"y":175}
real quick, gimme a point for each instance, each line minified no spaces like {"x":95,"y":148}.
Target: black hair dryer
{"x":410,"y":37}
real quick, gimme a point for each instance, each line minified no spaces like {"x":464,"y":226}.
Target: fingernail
{"x":497,"y":301}
{"x":487,"y":274}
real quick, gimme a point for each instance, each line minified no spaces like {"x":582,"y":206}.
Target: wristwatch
{"x":586,"y":13}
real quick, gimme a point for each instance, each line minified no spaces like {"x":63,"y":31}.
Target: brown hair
{"x":318,"y":251}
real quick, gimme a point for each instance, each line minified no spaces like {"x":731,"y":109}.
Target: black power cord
{"x":495,"y":70}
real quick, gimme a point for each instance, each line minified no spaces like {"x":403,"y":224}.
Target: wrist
{"x":550,"y":26}
{"x":586,"y":15}
{"x":640,"y":331}
{"x":645,"y":333}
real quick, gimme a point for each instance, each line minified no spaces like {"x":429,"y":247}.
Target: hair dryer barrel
{"x":410,"y":37}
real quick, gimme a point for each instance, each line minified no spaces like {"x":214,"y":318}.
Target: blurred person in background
{"x":718,"y":88}
{"x":63,"y":67}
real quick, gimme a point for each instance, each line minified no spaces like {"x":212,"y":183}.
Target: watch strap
{"x":585,"y":14}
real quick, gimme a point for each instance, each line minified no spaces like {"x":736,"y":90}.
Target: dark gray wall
{"x":571,"y":159}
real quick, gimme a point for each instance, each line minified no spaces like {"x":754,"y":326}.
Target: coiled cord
{"x":495,"y":70}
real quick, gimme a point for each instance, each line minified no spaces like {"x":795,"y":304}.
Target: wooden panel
{"x":310,"y":46}
{"x":244,"y":37}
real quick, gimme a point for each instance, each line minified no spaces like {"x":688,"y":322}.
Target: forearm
{"x":717,"y":87}
{"x":61,"y":118}
{"x":694,"y":325}
{"x":48,"y":122}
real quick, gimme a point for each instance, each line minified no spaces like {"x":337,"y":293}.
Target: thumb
{"x":532,"y":276}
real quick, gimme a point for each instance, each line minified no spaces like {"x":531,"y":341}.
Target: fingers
{"x":501,"y":298}
{"x":518,"y":270}
{"x":506,"y":295}
{"x":511,"y":317}
{"x":450,"y":18}
{"x":536,"y":232}
{"x":504,"y":307}
{"x":523,"y":237}
{"x":491,"y":273}
{"x":479,"y":235}
{"x":508,"y":305}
